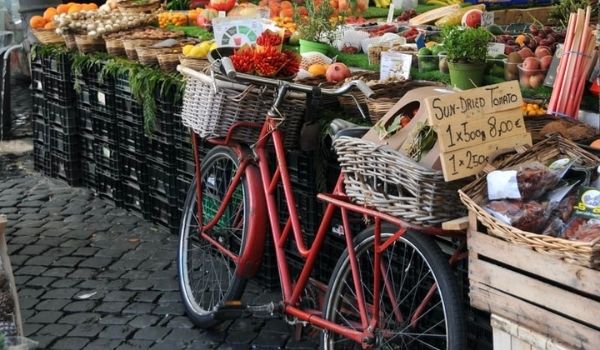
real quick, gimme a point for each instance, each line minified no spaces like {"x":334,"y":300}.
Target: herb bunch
{"x":466,"y":45}
{"x":316,"y":26}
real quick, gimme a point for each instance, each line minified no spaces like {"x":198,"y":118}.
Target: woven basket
{"x":131,"y":45}
{"x":48,"y":36}
{"x":212,"y":106}
{"x":580,"y":253}
{"x":88,"y":44}
{"x":147,"y":55}
{"x":380,"y":177}
{"x":534,"y":125}
{"x":199,"y":64}
{"x":168,"y":61}
{"x":132,"y":7}
{"x":114,"y":46}
{"x":70,"y":41}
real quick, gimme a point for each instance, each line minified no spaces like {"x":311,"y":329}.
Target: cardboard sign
{"x":236,"y":32}
{"x":494,"y":126}
{"x":444,"y":109}
{"x":471,"y":160}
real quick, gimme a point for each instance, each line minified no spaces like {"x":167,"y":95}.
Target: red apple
{"x":525,"y":52}
{"x":536,"y":80}
{"x":337,"y":72}
{"x":524,"y":81}
{"x":531,"y":63}
{"x":545,"y":62}
{"x":542,"y":51}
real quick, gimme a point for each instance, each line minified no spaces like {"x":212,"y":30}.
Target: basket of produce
{"x":90,"y":44}
{"x":131,"y":46}
{"x":168,"y":61}
{"x":392,"y":182}
{"x":543,"y":126}
{"x":196,"y":56}
{"x":137,"y":6}
{"x":48,"y":36}
{"x":545,"y":198}
{"x":69,"y":39}
{"x":175,"y":18}
{"x":212,"y":104}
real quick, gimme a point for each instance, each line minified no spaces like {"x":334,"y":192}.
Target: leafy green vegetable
{"x":193,"y":31}
{"x":466,"y":45}
{"x":175,"y":5}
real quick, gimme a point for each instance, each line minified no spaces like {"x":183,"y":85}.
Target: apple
{"x":545,"y":62}
{"x":222,"y":5}
{"x":542,"y":51}
{"x":536,"y":80}
{"x":472,"y":18}
{"x":337,"y":72}
{"x":524,"y":81}
{"x":531,"y":63}
{"x":525,"y":52}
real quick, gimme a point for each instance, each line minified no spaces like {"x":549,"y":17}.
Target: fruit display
{"x":532,"y":110}
{"x":285,"y":23}
{"x":455,"y":18}
{"x":406,"y":15}
{"x":176,"y":18}
{"x":200,"y":50}
{"x":545,"y":36}
{"x":98,"y":23}
{"x":155,"y":33}
{"x":46,"y":21}
{"x":443,"y":2}
{"x":382,"y":3}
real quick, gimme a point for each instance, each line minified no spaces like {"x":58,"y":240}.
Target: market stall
{"x":454,"y":86}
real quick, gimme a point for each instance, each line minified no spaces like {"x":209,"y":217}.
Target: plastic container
{"x":443,"y":63}
{"x":428,"y":63}
{"x":511,"y":70}
{"x":531,"y":78}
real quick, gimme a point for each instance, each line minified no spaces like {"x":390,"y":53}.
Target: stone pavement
{"x":93,"y":276}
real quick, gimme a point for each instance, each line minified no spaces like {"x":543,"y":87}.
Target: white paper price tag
{"x":222,"y":14}
{"x":106,"y":152}
{"x":101,"y":98}
{"x":487,"y":18}
{"x":495,"y":49}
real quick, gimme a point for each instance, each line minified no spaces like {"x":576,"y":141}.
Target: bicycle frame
{"x":292,"y":290}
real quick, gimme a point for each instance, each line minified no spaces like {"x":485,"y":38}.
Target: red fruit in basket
{"x":292,"y":66}
{"x":545,"y":62}
{"x":531,"y":63}
{"x":524,"y":81}
{"x":536,"y":80}
{"x":337,"y":72}
{"x":525,"y":52}
{"x":542,"y":51}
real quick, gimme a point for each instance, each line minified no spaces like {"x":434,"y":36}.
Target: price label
{"x":495,"y":49}
{"x":489,"y":127}
{"x":471,"y":160}
{"x":106,"y":152}
{"x":222,"y":14}
{"x":101,"y":98}
{"x":487,"y":18}
{"x":38,"y":83}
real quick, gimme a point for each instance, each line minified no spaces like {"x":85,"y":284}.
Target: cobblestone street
{"x":93,"y":276}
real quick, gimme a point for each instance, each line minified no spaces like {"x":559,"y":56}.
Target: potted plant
{"x":315,"y":27}
{"x":466,"y":51}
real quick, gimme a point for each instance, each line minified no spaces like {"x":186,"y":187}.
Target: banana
{"x":437,"y":3}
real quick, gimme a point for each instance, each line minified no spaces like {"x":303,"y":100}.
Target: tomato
{"x":222,"y":5}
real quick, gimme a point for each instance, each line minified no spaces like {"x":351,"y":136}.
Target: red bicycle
{"x":392,"y":288}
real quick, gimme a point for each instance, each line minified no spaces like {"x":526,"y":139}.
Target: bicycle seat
{"x":340,"y":127}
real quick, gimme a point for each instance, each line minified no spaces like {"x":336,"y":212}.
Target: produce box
{"x":542,"y":293}
{"x":512,"y":16}
{"x":509,"y":335}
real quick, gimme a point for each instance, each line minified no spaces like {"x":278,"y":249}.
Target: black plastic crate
{"x":106,"y":155}
{"x":40,"y":130}
{"x":160,"y":149}
{"x":185,"y":167}
{"x":122,"y":84}
{"x":83,"y":94}
{"x":128,"y":109}
{"x":41,"y":158}
{"x":309,"y":210}
{"x":102,"y":100}
{"x":64,"y":142}
{"x":105,"y":130}
{"x":59,"y":65}
{"x":85,"y":123}
{"x":64,"y":116}
{"x":162,"y":180}
{"x":163,"y":211}
{"x":108,"y":187}
{"x":132,"y":167}
{"x":58,"y":88}
{"x":65,"y":168}
{"x":87,"y":145}
{"x":130,"y":137}
{"x":183,"y":186}
{"x":37,"y":79}
{"x":37,"y":102}
{"x":88,"y":173}
{"x":268,"y":273}
{"x":164,"y":123}
{"x":135,"y":197}
{"x":332,"y":249}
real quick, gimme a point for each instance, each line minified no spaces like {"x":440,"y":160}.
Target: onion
{"x":93,"y":33}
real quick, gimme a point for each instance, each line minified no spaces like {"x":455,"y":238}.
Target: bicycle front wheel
{"x":206,"y":275}
{"x":419,"y":304}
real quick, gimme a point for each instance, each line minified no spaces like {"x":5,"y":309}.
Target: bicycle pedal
{"x":230,"y":310}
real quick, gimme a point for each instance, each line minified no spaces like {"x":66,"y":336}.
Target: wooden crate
{"x":509,"y":335}
{"x":561,"y":301}
{"x":511,"y":16}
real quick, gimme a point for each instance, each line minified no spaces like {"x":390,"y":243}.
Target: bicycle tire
{"x":440,"y":270}
{"x":201,"y":313}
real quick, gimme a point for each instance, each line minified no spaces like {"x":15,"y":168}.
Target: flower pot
{"x":311,"y":46}
{"x":466,"y":75}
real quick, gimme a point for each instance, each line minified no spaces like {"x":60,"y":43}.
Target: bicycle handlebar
{"x":232,"y":74}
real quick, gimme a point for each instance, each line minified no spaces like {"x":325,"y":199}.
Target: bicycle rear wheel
{"x":207,"y":276}
{"x":413,"y":267}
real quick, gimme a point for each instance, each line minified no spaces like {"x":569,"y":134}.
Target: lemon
{"x":197,"y":52}
{"x":213,"y":46}
{"x":187,"y":50}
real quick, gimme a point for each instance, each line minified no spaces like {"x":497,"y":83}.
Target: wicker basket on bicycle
{"x":388,"y":180}
{"x":212,"y":104}
{"x":577,"y":252}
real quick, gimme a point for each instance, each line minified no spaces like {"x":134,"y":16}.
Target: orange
{"x":62,"y":8}
{"x":595,"y":144}
{"x":92,"y":6}
{"x":50,"y":13}
{"x":49,"y":25}
{"x":318,"y":70}
{"x":75,"y":8}
{"x":37,"y":22}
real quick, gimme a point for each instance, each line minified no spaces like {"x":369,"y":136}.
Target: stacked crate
{"x":104,"y":124}
{"x":85,"y":125}
{"x":61,"y":118}
{"x":130,"y":139}
{"x":39,"y":124}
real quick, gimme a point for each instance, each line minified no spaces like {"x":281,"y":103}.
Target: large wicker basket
{"x":89,"y":44}
{"x":386,"y":179}
{"x":137,"y":7}
{"x":576,"y":252}
{"x":199,"y":64}
{"x":168,"y":61}
{"x":131,"y":46}
{"x":70,"y":41}
{"x":212,"y":105}
{"x":534,"y":126}
{"x":114,"y":46}
{"x":48,"y":36}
